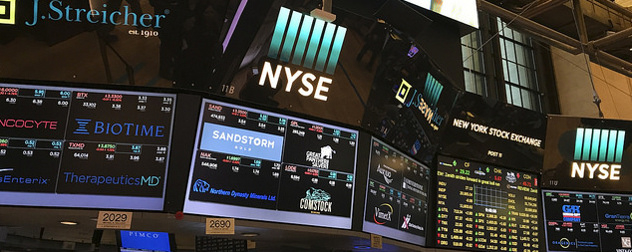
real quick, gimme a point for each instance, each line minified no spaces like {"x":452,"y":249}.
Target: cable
{"x":501,"y":30}
{"x":596,"y":98}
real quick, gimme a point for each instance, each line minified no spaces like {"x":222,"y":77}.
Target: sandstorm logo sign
{"x":426,"y":101}
{"x":7,"y":12}
{"x":598,"y":153}
{"x":307,"y":42}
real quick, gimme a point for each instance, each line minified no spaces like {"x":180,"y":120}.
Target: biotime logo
{"x":598,"y":149}
{"x":425,"y":101}
{"x":116,"y":129}
{"x":307,"y":42}
{"x":7,"y":12}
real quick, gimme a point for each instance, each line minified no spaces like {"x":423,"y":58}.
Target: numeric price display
{"x":586,"y":221}
{"x":486,"y":208}
{"x":254,"y":164}
{"x":75,"y":147}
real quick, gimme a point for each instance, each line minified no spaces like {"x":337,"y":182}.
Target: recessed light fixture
{"x":69,"y":223}
{"x":249,"y":234}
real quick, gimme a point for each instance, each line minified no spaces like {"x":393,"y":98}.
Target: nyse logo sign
{"x":425,"y":101}
{"x":598,"y":153}
{"x":308,"y":43}
{"x":7,"y":11}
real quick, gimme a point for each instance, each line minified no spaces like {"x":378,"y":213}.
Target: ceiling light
{"x":69,"y":223}
{"x":249,"y":234}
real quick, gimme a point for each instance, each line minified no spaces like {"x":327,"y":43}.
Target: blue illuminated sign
{"x":152,"y":241}
{"x":241,"y":142}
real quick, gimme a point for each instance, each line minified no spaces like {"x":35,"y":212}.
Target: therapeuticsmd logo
{"x":598,"y":152}
{"x":7,"y":12}
{"x":425,"y":101}
{"x":307,"y":42}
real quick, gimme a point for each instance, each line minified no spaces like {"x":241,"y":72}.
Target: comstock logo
{"x":7,"y":12}
{"x":312,"y":41}
{"x":425,"y":101}
{"x":598,"y":149}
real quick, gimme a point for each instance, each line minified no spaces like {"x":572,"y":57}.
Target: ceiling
{"x":599,"y":28}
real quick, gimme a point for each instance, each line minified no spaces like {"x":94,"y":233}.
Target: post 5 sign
{"x":220,"y":226}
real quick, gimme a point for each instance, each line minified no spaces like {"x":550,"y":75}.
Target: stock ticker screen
{"x":255,"y":164}
{"x":397,"y":195}
{"x":486,"y":208}
{"x":586,"y":221}
{"x":70,"y":147}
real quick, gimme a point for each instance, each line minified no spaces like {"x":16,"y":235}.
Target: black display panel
{"x":75,"y":147}
{"x":397,"y":195}
{"x":254,"y":164}
{"x":587,"y":221}
{"x":486,"y":208}
{"x":490,"y":131}
{"x":587,"y":154}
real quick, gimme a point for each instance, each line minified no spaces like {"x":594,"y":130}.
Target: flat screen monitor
{"x":588,"y":154}
{"x":587,"y":221}
{"x":482,"y":207}
{"x":464,"y":11}
{"x":254,"y":164}
{"x":79,"y":147}
{"x":138,"y":241}
{"x":396,"y":204}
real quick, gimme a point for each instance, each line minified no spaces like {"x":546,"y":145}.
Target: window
{"x":505,"y":69}
{"x":474,"y":69}
{"x":521,"y":86}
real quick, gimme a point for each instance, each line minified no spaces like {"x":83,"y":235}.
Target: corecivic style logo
{"x":425,"y":101}
{"x":598,"y":153}
{"x":306,"y":42}
{"x":7,"y":12}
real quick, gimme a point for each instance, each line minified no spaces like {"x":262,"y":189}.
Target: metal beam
{"x":571,"y":45}
{"x":580,"y":22}
{"x":611,"y":39}
{"x":615,"y":63}
{"x":540,"y":8}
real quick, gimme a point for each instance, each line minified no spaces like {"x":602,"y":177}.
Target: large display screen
{"x":587,"y":221}
{"x":588,"y":154}
{"x":397,"y":195}
{"x":70,"y":147}
{"x":486,"y":208}
{"x":464,"y":11}
{"x":255,"y":164}
{"x":490,"y":131}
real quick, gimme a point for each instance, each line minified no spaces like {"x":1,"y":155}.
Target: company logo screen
{"x":397,"y":195}
{"x":602,"y":226}
{"x":242,"y":142}
{"x":84,"y":148}
{"x":598,"y":154}
{"x":425,"y":101}
{"x":306,"y":41}
{"x":256,"y":164}
{"x":7,"y":11}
